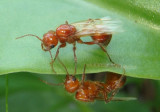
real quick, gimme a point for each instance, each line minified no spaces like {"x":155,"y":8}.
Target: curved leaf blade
{"x":137,"y":48}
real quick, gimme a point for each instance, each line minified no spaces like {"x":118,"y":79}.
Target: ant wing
{"x":92,"y":27}
{"x":119,"y":98}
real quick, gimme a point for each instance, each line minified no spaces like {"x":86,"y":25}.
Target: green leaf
{"x":137,"y":48}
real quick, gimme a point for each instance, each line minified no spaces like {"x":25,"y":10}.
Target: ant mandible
{"x":88,"y":91}
{"x":100,"y":30}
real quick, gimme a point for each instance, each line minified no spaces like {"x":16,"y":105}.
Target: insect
{"x":100,"y":30}
{"x":88,"y":91}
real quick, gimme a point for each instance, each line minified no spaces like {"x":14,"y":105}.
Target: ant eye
{"x":73,"y":78}
{"x":52,"y":46}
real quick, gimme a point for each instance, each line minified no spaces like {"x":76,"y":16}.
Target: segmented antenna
{"x":30,"y":35}
{"x":52,"y":84}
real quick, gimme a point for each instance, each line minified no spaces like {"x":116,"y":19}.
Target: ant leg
{"x":119,"y":83}
{"x":88,"y":43}
{"x":83,"y":75}
{"x":52,"y":61}
{"x":93,"y":42}
{"x":63,"y":65}
{"x":50,"y":55}
{"x":75,"y":58}
{"x":112,"y":95}
{"x":105,"y":97}
{"x":57,"y":52}
{"x":106,"y":53}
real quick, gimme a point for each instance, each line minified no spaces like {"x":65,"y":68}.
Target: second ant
{"x":88,"y":91}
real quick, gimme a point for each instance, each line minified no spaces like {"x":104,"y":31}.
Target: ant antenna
{"x":52,"y":84}
{"x":30,"y":35}
{"x":63,"y":65}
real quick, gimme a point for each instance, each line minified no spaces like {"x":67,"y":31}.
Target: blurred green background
{"x":28,"y":94}
{"x":137,"y":49}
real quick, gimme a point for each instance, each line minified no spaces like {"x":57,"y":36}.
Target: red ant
{"x":88,"y":91}
{"x":100,"y":30}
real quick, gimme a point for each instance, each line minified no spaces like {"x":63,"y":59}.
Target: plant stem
{"x":6,"y":92}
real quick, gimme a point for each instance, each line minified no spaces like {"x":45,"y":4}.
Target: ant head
{"x":64,"y":31}
{"x":50,"y":40}
{"x":71,"y":83}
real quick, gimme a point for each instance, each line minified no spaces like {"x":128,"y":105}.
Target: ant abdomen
{"x":104,"y":39}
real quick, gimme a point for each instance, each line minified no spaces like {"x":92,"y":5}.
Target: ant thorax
{"x":65,"y":33}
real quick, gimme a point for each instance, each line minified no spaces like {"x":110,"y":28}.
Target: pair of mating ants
{"x":101,"y":31}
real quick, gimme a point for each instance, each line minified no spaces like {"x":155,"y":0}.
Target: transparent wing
{"x":97,"y":26}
